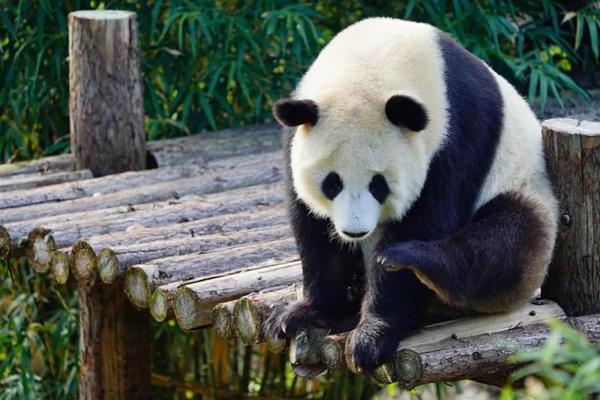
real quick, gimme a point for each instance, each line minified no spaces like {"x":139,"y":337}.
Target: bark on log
{"x":252,"y":310}
{"x":573,"y":150}
{"x":105,"y":103}
{"x":4,"y":243}
{"x":138,"y":188}
{"x":38,"y":180}
{"x":52,"y":164}
{"x":88,"y":224}
{"x":107,"y":136}
{"x":138,"y":234}
{"x":332,"y":349}
{"x":211,"y":146}
{"x":141,"y":280}
{"x":193,"y":302}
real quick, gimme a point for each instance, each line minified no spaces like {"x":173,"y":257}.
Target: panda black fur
{"x":415,"y":174}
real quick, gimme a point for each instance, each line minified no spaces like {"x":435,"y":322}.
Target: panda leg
{"x":491,"y":265}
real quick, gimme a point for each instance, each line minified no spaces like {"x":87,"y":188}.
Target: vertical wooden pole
{"x":107,"y":136}
{"x":106,"y":105}
{"x":573,"y":152}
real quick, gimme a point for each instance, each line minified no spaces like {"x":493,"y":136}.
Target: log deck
{"x":210,"y":228}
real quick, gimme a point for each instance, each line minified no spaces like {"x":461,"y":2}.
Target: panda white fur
{"x":416,"y":174}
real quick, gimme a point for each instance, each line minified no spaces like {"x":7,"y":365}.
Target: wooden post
{"x":106,"y":109}
{"x":573,"y":152}
{"x":107,"y":136}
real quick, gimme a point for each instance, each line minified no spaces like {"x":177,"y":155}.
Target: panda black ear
{"x":289,"y":112}
{"x":405,"y":111}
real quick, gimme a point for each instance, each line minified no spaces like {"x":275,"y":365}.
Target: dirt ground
{"x":583,"y":110}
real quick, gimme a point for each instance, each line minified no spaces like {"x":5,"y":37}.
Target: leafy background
{"x":217,"y":64}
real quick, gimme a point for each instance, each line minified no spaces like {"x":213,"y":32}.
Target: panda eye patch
{"x":379,"y":188}
{"x":332,"y":185}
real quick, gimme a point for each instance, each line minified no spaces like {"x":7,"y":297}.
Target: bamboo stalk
{"x":59,"y":267}
{"x":142,"y":279}
{"x":194,"y":300}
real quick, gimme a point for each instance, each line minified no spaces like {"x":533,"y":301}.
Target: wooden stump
{"x":106,"y":105}
{"x":573,"y":152}
{"x":107,"y":136}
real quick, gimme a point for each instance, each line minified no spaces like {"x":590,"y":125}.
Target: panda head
{"x":357,"y":162}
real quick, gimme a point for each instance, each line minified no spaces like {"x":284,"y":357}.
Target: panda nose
{"x":355,"y":235}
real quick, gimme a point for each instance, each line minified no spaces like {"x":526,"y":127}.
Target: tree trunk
{"x":107,"y":136}
{"x":106,"y":105}
{"x":573,"y":152}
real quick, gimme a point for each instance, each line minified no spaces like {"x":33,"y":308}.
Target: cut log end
{"x":4,"y":243}
{"x":39,"y":251}
{"x":223,"y":321}
{"x":59,"y":267}
{"x":332,"y":352}
{"x":137,"y":287}
{"x":108,"y":265}
{"x":102,"y":15}
{"x":83,"y":262}
{"x":186,"y":308}
{"x":248,"y":321}
{"x":159,"y":306}
{"x":276,"y":345}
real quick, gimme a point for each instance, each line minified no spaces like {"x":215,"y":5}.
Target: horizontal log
{"x":139,"y":234}
{"x":211,"y":146}
{"x":69,"y":229}
{"x":141,"y":280}
{"x":193,"y":302}
{"x":137,"y":188}
{"x":63,"y":162}
{"x":40,"y":179}
{"x":176,"y":151}
{"x":250,"y":312}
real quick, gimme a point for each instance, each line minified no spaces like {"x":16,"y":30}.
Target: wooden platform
{"x":204,"y":238}
{"x":210,"y":216}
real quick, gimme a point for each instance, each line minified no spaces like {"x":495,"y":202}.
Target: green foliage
{"x":566,"y":368}
{"x":38,"y":336}
{"x":217,"y":64}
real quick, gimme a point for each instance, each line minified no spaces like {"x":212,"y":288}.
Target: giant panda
{"x":416,"y":176}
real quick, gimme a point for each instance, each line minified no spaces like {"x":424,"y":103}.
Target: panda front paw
{"x":284,"y":322}
{"x":370,"y":345}
{"x":402,"y":255}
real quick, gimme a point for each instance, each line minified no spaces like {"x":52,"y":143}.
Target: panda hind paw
{"x":284,"y":322}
